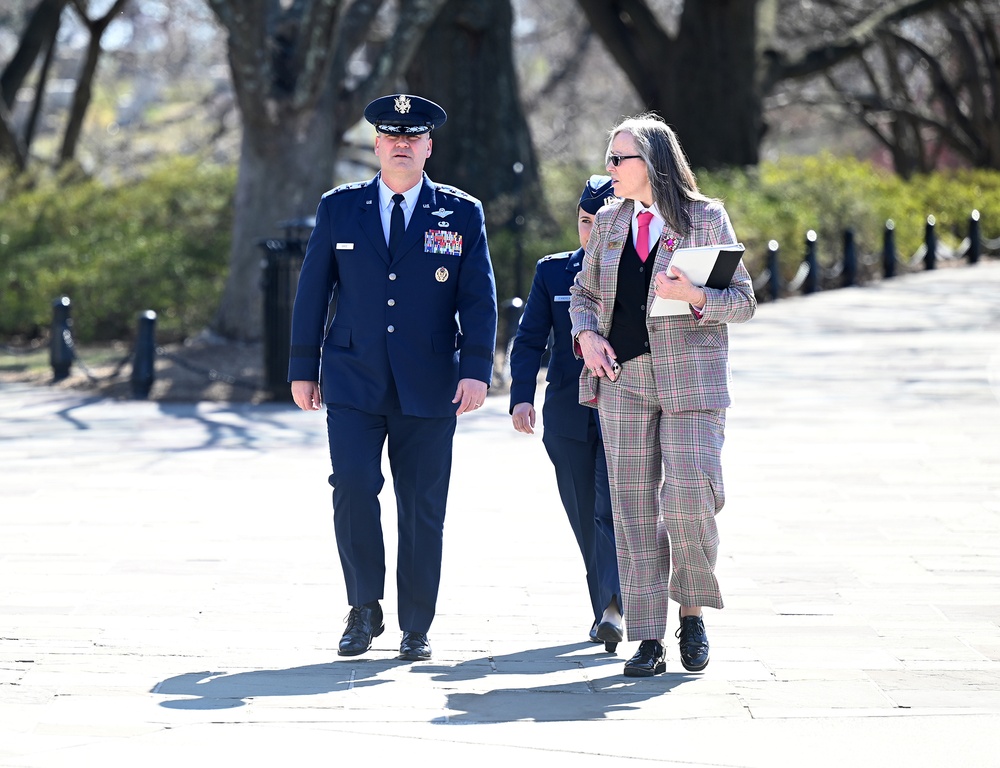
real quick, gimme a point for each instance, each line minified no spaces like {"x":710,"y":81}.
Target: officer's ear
{"x":430,"y":145}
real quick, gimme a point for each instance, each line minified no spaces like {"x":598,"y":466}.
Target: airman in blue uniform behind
{"x":408,"y":350}
{"x":572,"y":435}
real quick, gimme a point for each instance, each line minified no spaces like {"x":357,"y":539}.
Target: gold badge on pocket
{"x":441,"y":275}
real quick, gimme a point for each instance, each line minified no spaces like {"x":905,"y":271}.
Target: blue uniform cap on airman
{"x":598,"y":192}
{"x":402,"y":114}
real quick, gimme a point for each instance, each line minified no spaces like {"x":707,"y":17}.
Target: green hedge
{"x":162,"y":242}
{"x":159,"y":243}
{"x":783,"y":200}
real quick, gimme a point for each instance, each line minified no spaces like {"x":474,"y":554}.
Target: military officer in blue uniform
{"x":408,"y":350}
{"x":572,"y":435}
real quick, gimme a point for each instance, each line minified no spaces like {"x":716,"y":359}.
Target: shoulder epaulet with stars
{"x":551,"y":256}
{"x":346,"y":187}
{"x":448,"y":190}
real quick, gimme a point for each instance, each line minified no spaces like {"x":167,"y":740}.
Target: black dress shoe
{"x":694,"y":643}
{"x":648,"y":660}
{"x":593,"y":633}
{"x":415,"y":647}
{"x":363,"y":624}
{"x":608,"y":632}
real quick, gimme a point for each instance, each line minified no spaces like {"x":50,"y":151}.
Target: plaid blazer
{"x":690,"y":354}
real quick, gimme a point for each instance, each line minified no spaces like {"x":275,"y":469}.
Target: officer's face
{"x":630,"y":177}
{"x":584,"y":224}
{"x":403,"y":153}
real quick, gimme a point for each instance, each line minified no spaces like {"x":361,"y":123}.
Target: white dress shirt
{"x":655,"y":224}
{"x":385,"y":204}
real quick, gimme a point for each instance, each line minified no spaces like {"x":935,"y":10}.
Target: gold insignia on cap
{"x":402,"y":104}
{"x":441,"y":275}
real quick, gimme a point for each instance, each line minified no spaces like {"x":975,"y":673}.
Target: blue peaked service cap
{"x":404,"y":114}
{"x":598,"y":192}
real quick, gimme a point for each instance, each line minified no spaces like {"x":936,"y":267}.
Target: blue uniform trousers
{"x":420,"y":451}
{"x":582,"y":479}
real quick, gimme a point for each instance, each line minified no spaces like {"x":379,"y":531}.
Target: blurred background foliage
{"x":117,"y":249}
{"x":127,"y":134}
{"x":161,"y":242}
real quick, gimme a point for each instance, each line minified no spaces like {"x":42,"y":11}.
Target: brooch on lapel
{"x":671,"y":243}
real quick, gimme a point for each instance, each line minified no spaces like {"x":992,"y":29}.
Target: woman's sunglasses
{"x":616,"y":160}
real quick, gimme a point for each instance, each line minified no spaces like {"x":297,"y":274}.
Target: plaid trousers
{"x":665,"y":474}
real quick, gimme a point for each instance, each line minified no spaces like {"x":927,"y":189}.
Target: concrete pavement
{"x":170,"y":592}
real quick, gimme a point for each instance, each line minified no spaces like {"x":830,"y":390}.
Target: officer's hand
{"x":523,"y":417}
{"x":306,"y":395}
{"x":471,"y":394}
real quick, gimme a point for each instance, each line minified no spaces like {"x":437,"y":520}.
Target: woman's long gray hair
{"x":670,"y":174}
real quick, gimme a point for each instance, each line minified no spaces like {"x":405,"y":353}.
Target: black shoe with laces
{"x":693,"y":642}
{"x":648,"y":660}
{"x":363,"y":624}
{"x":415,"y":647}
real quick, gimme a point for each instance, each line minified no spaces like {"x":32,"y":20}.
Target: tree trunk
{"x":708,"y":81}
{"x":466,"y":64}
{"x":40,"y":32}
{"x":295,"y":73}
{"x":11,"y":149}
{"x":703,"y":81}
{"x":277,"y":182}
{"x":39,"y":99}
{"x":716,"y":51}
{"x":39,"y":35}
{"x":81,"y":101}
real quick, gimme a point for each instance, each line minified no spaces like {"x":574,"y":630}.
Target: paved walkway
{"x":170,"y":592}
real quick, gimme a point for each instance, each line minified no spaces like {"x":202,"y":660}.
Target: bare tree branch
{"x":781,"y":66}
{"x":415,"y":16}
{"x":84,"y":84}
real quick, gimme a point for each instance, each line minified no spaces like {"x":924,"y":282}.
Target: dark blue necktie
{"x":397,"y":223}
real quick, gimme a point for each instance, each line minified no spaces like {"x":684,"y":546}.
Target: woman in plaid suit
{"x":660,"y":384}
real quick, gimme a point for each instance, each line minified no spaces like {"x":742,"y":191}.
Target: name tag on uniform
{"x":562,"y":298}
{"x":345,"y":246}
{"x":440,"y":241}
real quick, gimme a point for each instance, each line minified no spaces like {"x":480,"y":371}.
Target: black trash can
{"x":279,"y":278}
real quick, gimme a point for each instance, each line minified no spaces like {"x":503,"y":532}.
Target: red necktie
{"x":642,"y":240}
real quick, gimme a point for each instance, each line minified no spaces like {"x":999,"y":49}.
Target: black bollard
{"x":889,"y":249}
{"x":930,"y":240}
{"x":811,"y":284}
{"x":511,"y":311}
{"x":773,"y":268}
{"x":60,"y":345}
{"x":975,"y":244}
{"x":850,"y":275}
{"x":144,"y":357}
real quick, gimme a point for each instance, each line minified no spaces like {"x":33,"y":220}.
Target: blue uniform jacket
{"x":547,"y":309}
{"x":420,"y":322}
